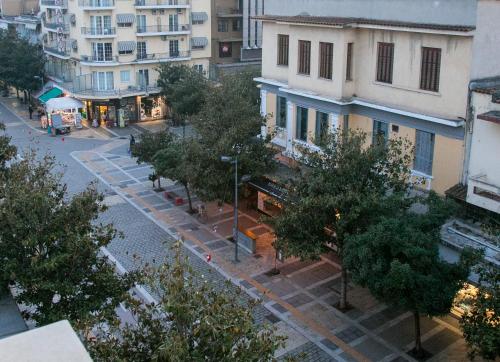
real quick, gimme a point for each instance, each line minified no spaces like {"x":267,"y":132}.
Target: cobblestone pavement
{"x":298,"y":301}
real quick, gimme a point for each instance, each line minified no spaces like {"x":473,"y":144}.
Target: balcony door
{"x":102,"y":52}
{"x":100,"y":25}
{"x":173,"y":22}
{"x":141,"y":23}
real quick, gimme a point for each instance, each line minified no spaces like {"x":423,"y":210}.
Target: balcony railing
{"x":163,"y":29}
{"x":161,"y":3}
{"x":55,"y":3}
{"x":55,"y":26}
{"x":163,"y":56}
{"x":100,"y":59}
{"x":96,"y":4}
{"x":98,"y":31}
{"x":229,"y":12}
{"x":58,"y":50}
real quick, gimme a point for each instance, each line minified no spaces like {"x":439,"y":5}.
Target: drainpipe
{"x":469,"y":125}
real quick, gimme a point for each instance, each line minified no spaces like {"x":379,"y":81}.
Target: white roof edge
{"x":283,"y":87}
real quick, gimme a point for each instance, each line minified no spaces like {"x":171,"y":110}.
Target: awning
{"x":59,"y":104}
{"x":199,"y":17}
{"x":53,"y":93}
{"x":126,"y":46}
{"x":125,"y":18}
{"x":491,"y":116}
{"x":199,"y":42}
{"x":269,"y":188}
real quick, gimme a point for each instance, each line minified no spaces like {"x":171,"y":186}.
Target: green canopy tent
{"x":53,"y":93}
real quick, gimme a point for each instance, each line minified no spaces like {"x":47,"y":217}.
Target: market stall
{"x":66,"y":109}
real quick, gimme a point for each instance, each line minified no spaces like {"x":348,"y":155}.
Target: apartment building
{"x":388,"y":77}
{"x":21,"y":15}
{"x":227,"y":31}
{"x":106,"y":52}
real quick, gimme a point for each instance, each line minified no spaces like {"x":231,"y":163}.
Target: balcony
{"x":60,"y":4}
{"x":98,"y":32}
{"x":229,"y":13}
{"x":163,"y":30}
{"x":97,"y":4}
{"x":53,"y":26}
{"x":161,"y":4}
{"x":59,"y":50}
{"x":163,"y":57}
{"x":100,"y":60}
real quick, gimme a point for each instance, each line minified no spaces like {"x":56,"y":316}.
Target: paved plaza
{"x":298,"y":301}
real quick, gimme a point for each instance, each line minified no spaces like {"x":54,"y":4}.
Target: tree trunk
{"x":418,"y":341}
{"x":159,"y":185}
{"x":17,"y":93}
{"x":343,"y":289}
{"x":189,"y":198}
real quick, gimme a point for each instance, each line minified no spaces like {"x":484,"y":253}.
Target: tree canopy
{"x":398,"y":260}
{"x":339,"y":193}
{"x":192,"y":321}
{"x":50,"y":247}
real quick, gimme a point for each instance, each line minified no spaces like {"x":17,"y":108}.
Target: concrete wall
{"x":487,"y":40}
{"x":484,"y":154}
{"x":403,"y":93}
{"x":426,"y":11}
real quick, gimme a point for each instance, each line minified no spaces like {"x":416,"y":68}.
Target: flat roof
{"x":56,"y":342}
{"x":344,"y":22}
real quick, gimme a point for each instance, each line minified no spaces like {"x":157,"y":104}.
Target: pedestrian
{"x":132,"y":143}
{"x":30,"y":111}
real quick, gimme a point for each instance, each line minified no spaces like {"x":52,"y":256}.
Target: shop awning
{"x":125,"y":18}
{"x":200,"y":17}
{"x":53,"y":93}
{"x":199,"y":42}
{"x":269,"y":188}
{"x":126,"y":46}
{"x":62,"y":103}
{"x":491,"y":116}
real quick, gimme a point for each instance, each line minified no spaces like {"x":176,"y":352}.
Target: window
{"x":143,"y":77}
{"x":199,"y":68}
{"x":102,"y":52}
{"x":321,"y":127}
{"x":302,"y":115}
{"x":304,"y":57}
{"x":141,"y":50}
{"x":102,"y":81}
{"x":348,"y":73}
{"x":173,"y":22}
{"x":173,"y":47}
{"x":100,"y":25}
{"x":237,"y":25}
{"x":431,"y":66}
{"x":380,"y":132}
{"x":225,"y":50}
{"x":125,"y":76}
{"x":325,"y":60}
{"x":424,"y":152}
{"x":385,"y":62}
{"x":222,"y":26}
{"x":283,"y":49}
{"x":141,"y":23}
{"x":281,"y":112}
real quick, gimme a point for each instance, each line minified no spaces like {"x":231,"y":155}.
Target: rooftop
{"x":351,"y":22}
{"x":489,"y":86}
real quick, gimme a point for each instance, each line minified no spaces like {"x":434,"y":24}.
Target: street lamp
{"x":234,"y":161}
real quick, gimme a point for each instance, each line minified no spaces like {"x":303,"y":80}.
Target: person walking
{"x":30,"y":111}
{"x":132,"y":143}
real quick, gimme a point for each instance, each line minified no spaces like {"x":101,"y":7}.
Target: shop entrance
{"x":104,"y":113}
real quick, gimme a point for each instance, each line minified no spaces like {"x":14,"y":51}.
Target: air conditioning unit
{"x":153,"y":12}
{"x":164,"y":37}
{"x":179,"y":11}
{"x":162,"y":11}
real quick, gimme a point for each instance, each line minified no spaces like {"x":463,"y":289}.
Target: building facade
{"x":21,"y":15}
{"x":106,"y":52}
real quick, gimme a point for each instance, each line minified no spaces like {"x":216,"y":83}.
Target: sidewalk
{"x":301,"y":296}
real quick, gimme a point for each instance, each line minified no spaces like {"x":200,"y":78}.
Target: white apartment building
{"x":106,"y":52}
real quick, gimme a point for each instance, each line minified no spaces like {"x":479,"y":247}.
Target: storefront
{"x":266,"y":196}
{"x":152,"y":108}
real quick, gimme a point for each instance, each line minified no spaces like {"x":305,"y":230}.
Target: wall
{"x":487,"y":40}
{"x":454,"y":12}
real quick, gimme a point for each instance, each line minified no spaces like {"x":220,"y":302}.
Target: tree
{"x":481,"y":321}
{"x":398,"y":260}
{"x":340,"y":193}
{"x":228,"y":125}
{"x":50,"y":247}
{"x":148,"y":145}
{"x":192,"y":321}
{"x":184,"y":89}
{"x":179,"y":161}
{"x":7,"y":151}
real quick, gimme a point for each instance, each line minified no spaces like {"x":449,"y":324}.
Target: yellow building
{"x":393,"y":78}
{"x":106,"y":52}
